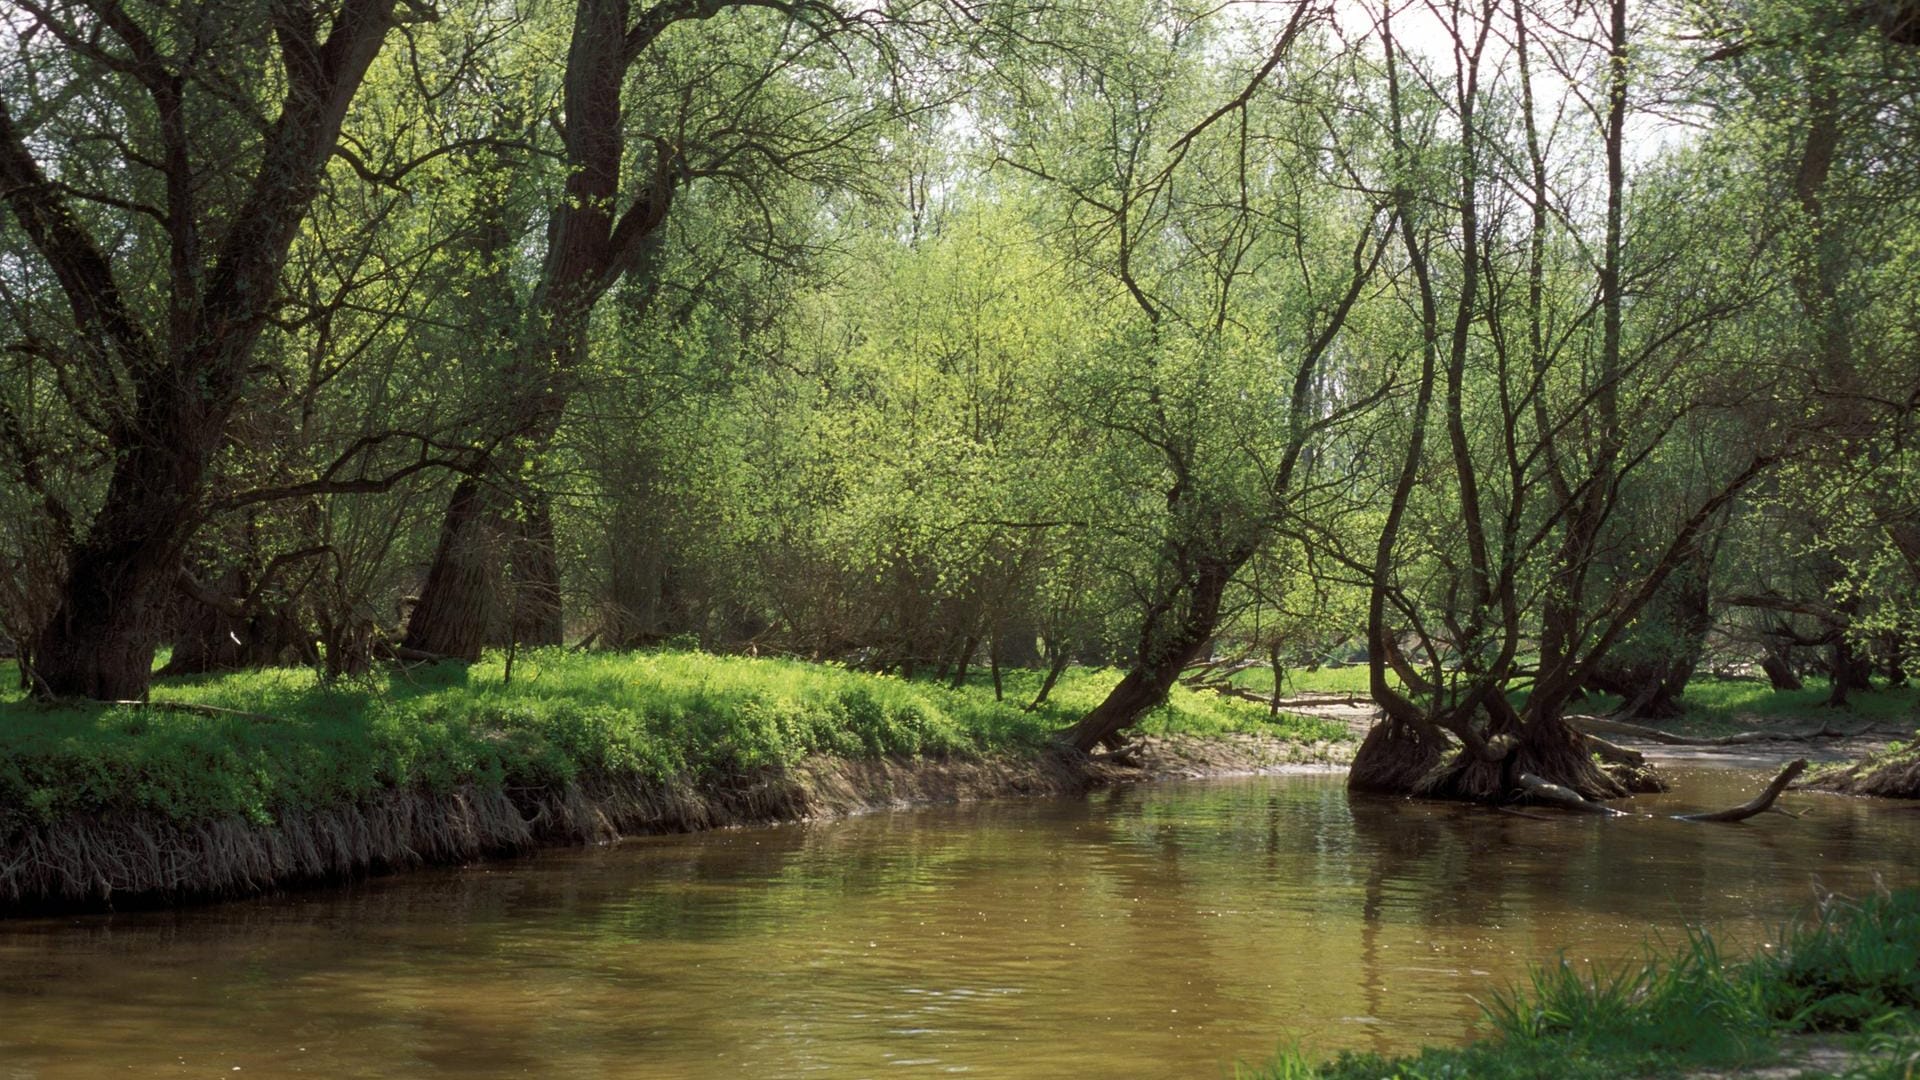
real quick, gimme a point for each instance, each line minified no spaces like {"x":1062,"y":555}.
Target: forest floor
{"x":227,"y":784}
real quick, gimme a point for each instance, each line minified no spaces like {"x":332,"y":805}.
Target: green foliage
{"x":1851,"y":968}
{"x":1724,"y":705}
{"x":565,"y":715}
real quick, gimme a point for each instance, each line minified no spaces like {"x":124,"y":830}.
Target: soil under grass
{"x":300,"y":780}
{"x":1838,"y":995}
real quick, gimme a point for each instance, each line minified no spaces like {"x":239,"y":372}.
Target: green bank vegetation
{"x":1846,"y":977}
{"x":294,"y":742}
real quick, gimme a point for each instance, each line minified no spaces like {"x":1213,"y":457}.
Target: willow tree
{"x":1569,"y":345}
{"x":157,"y":163}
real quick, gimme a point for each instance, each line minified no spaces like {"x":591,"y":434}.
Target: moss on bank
{"x":450,"y":761}
{"x":1844,"y":981}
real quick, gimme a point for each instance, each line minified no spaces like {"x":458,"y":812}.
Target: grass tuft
{"x":1851,"y":971}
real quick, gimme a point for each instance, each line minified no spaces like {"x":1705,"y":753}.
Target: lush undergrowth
{"x":658,"y":714}
{"x":1848,"y":975}
{"x":1722,"y":706}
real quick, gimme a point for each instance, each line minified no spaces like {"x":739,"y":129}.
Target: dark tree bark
{"x":1847,"y":671}
{"x":186,"y":383}
{"x":1779,"y":670}
{"x":592,"y":243}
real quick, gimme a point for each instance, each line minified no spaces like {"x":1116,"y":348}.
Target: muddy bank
{"x":100,"y":863}
{"x":1893,"y":773}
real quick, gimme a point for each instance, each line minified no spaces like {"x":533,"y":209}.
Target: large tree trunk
{"x":1848,"y":671}
{"x":102,"y":637}
{"x":495,"y":578}
{"x":101,"y":641}
{"x":588,"y":250}
{"x":1779,"y":670}
{"x":207,"y":637}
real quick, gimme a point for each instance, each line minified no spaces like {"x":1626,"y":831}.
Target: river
{"x":1157,"y":930}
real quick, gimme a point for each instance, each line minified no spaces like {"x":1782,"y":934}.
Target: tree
{"x":1561,"y":359}
{"x":157,"y":166}
{"x":649,"y":106}
{"x":1233,"y":243}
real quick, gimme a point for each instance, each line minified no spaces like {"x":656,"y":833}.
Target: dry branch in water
{"x":1548,"y":792}
{"x":1760,"y":803}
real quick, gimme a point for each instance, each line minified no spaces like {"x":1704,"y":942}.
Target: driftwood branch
{"x":1548,"y":792}
{"x":1757,"y":805}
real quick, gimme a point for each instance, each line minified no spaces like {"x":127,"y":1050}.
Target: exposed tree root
{"x":1553,"y":751}
{"x":1625,"y":766}
{"x":1393,"y":760}
{"x":1566,"y":798}
{"x":1891,"y":775}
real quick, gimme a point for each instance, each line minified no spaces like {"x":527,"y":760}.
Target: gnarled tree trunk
{"x":1163,"y":652}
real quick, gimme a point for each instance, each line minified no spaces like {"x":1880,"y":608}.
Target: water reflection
{"x":1156,"y":931}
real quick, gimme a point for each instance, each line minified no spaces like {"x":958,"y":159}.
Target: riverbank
{"x":1837,"y":995}
{"x":1891,"y":772}
{"x":234,"y":784}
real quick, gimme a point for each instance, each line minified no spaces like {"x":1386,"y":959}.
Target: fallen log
{"x":1206,"y":673}
{"x":408,"y":654}
{"x":1760,"y":803}
{"x":1303,"y":701}
{"x":1591,"y":725}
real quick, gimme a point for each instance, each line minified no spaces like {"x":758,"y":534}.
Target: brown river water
{"x":1159,"y":930}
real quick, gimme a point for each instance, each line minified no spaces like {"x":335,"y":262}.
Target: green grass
{"x":1848,"y":974}
{"x":660,"y":714}
{"x":1714,"y":706}
{"x":1753,"y":701}
{"x":1345,"y":679}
